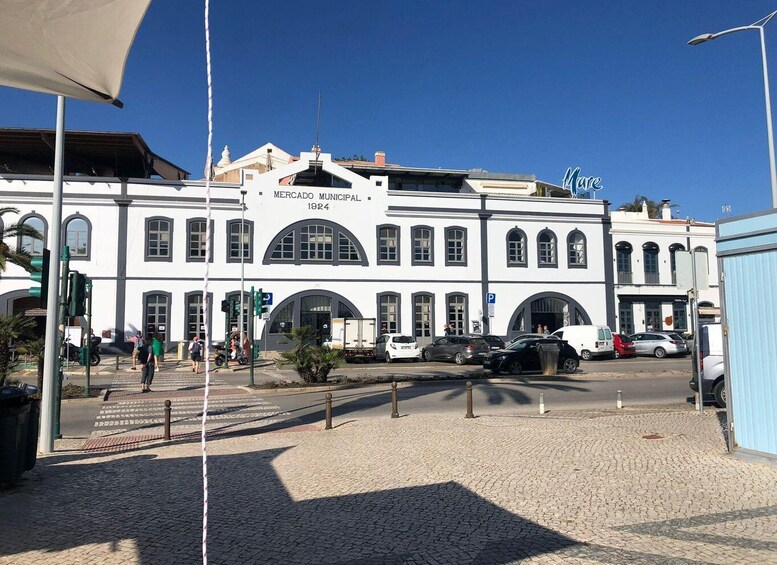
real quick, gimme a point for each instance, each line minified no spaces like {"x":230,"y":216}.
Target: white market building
{"x":414,"y":248}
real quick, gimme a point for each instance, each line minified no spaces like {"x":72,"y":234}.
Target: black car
{"x":522,"y":355}
{"x":494,"y":341}
{"x":458,"y":348}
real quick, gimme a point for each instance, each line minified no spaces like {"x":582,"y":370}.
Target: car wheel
{"x":660,"y":352}
{"x":515,"y":367}
{"x":616,"y":354}
{"x":719,"y":391}
{"x":459,"y":359}
{"x":388,"y":357}
{"x":586,"y":355}
{"x":427,"y":355}
{"x":569,"y":366}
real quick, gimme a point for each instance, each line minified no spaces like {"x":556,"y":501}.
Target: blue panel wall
{"x":751,"y":312}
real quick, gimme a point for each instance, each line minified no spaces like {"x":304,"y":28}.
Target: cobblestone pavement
{"x":632,"y":486}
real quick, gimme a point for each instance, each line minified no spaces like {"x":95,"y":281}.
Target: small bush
{"x":313,"y":363}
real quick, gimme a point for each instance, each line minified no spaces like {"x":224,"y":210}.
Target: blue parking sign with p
{"x":491,"y":298}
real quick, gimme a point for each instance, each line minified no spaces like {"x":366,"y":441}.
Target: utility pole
{"x":250,"y":352}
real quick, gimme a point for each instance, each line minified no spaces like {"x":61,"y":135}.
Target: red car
{"x":624,"y":346}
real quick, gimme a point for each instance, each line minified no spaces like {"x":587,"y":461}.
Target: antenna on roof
{"x":316,"y":146}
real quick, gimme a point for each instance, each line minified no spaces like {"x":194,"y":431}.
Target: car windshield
{"x":625,"y":339}
{"x":677,"y":337}
{"x":403,"y":339}
{"x":520,"y":344}
{"x":477,"y":341}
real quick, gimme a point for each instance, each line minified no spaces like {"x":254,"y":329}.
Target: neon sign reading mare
{"x":578,"y":185}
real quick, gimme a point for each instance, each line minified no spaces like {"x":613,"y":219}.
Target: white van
{"x":588,"y":341}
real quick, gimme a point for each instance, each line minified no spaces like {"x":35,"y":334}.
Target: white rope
{"x":205,"y":309}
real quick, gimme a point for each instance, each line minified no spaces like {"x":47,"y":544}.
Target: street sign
{"x":268,"y":298}
{"x":491,"y":298}
{"x":685,"y":265}
{"x":491,"y":310}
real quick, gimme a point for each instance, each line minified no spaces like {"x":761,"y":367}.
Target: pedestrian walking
{"x":157,"y":349}
{"x":539,"y":328}
{"x":138,"y":342}
{"x":195,"y":350}
{"x":147,"y":365}
{"x":446,"y":329}
{"x":545,"y":330}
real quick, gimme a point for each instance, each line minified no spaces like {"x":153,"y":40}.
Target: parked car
{"x":458,"y":348}
{"x":532,"y":336}
{"x":624,"y":346}
{"x":588,"y":341}
{"x":713,"y":366}
{"x":659,"y":344}
{"x":392,"y":347}
{"x":494,"y":341}
{"x":523,"y":355}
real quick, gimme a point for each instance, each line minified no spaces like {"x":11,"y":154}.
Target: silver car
{"x":659,"y":344}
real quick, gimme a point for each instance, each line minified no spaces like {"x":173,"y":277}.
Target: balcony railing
{"x":652,"y":278}
{"x":624,"y":277}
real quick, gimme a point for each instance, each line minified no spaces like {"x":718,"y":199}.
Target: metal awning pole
{"x":51,"y":380}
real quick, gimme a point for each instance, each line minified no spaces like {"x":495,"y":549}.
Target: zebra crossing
{"x":229,"y":408}
{"x":164,"y":382}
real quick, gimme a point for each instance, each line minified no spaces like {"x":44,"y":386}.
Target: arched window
{"x":33,"y":245}
{"x":423,"y":246}
{"x":388,"y":245}
{"x":196,"y":239}
{"x":159,"y":239}
{"x":576,"y":250}
{"x":516,"y":248}
{"x":423,"y":315}
{"x":234,"y":230}
{"x":457,"y":313}
{"x":623,"y":251}
{"x":650,"y":258}
{"x":455,"y":246}
{"x":156,"y":314}
{"x":78,"y":237}
{"x":674,"y":248}
{"x":315,"y":241}
{"x":546,"y":249}
{"x":388,"y":312}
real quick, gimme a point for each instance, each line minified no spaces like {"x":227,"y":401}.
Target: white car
{"x":397,"y":346}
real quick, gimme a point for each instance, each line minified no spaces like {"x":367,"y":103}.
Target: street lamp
{"x":242,"y":260}
{"x":759,"y":25}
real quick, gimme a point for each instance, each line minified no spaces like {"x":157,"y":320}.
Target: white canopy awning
{"x":76,"y":48}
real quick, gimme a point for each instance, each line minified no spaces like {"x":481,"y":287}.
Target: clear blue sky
{"x":521,"y":86}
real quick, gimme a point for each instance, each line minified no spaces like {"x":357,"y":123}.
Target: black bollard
{"x":117,"y":362}
{"x":394,"y":407}
{"x":328,"y":411}
{"x":168,"y":411}
{"x":469,"y":400}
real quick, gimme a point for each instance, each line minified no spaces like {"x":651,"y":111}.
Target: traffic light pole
{"x":62,"y":313}
{"x":250,"y":352}
{"x":88,"y":338}
{"x":51,"y":353}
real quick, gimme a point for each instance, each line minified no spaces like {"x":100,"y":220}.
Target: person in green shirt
{"x":157,"y":349}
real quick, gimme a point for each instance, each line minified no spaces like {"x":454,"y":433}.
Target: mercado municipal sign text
{"x":317,"y":200}
{"x":578,"y":185}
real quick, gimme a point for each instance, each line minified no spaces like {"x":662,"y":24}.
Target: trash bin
{"x":548,"y":353}
{"x":183,"y":348}
{"x":19,"y":424}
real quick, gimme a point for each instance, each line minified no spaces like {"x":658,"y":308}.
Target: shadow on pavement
{"x":157,"y":503}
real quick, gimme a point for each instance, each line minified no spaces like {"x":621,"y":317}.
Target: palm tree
{"x":9,"y":254}
{"x":12,"y":328}
{"x":653,"y":207}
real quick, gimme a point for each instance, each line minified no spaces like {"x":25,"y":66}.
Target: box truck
{"x":355,"y":337}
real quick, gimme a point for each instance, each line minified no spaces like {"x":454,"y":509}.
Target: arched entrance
{"x":314,"y":308}
{"x":20,"y":303}
{"x":551,"y":309}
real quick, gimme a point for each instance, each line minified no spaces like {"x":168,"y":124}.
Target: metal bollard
{"x":328,"y":411}
{"x":394,"y":407}
{"x":469,"y":400}
{"x":168,"y":411}
{"x":117,"y":362}
{"x":542,"y":403}
{"x":619,"y":402}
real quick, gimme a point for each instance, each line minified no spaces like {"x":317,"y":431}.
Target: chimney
{"x":380,"y":158}
{"x":666,"y":211}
